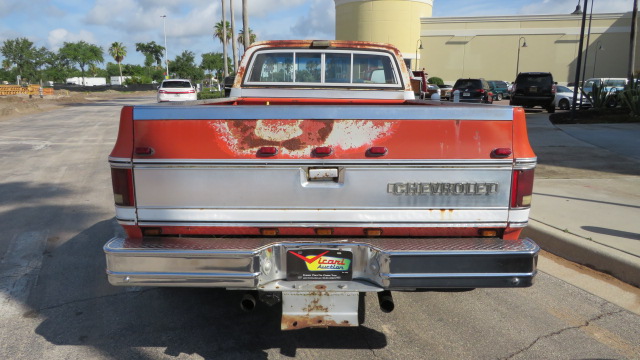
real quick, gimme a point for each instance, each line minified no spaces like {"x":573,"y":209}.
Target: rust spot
{"x":312,"y":133}
{"x":321,"y":287}
{"x":292,"y":322}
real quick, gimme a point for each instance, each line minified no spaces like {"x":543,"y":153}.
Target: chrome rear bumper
{"x":378,"y":264}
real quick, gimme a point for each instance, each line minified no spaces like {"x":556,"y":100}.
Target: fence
{"x":28,"y":90}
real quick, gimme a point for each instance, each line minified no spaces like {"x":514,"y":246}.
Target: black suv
{"x":534,"y":89}
{"x":473,"y":90}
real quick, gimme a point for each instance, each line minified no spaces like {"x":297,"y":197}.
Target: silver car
{"x":564,"y":97}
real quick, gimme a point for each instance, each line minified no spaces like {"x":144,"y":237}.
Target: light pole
{"x":524,"y":44}
{"x":166,"y":58}
{"x":595,"y":59}
{"x":418,"y":48}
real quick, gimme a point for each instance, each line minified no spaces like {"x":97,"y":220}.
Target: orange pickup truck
{"x":320,"y":180}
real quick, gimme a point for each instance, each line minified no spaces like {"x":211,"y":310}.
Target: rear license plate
{"x":319,"y":264}
{"x":466,"y":94}
{"x":533,"y":89}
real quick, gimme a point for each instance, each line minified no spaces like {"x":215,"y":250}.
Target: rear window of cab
{"x":328,"y":68}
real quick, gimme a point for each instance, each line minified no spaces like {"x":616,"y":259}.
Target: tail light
{"x":192,"y":91}
{"x":481,"y":91}
{"x":554,"y":88}
{"x":162,"y":91}
{"x":122,"y":180}
{"x":522,"y":188}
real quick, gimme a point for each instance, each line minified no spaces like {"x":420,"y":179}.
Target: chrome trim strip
{"x":342,"y":112}
{"x":525,"y":163}
{"x":518,"y":225}
{"x":126,"y":213}
{"x":455,"y":275}
{"x":519,"y":215}
{"x":125,"y":222}
{"x":325,"y":224}
{"x":119,"y":160}
{"x":345,"y":216}
{"x":313,"y":162}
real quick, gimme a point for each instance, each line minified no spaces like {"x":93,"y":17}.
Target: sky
{"x":189,"y":24}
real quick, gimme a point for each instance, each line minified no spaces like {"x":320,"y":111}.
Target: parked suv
{"x":473,"y":90}
{"x":499,"y":88}
{"x":534,"y":89}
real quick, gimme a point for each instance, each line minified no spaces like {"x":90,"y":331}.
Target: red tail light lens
{"x":377,"y":151}
{"x":267,"y":151}
{"x":501,"y":152}
{"x":322,"y":151}
{"x":122,"y":180}
{"x":522,"y":188}
{"x":161,"y":91}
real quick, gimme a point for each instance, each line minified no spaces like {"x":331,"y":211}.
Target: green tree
{"x":82,"y":53}
{"x":151,"y":51}
{"x":20,"y":52}
{"x":184,"y":67}
{"x":118,"y":52}
{"x":214,"y":63}
{"x":252,"y":38}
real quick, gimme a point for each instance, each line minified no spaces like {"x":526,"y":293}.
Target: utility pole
{"x":632,"y":44}
{"x":579,"y":61}
{"x":224,"y":39}
{"x":166,"y":57}
{"x":234,"y":43}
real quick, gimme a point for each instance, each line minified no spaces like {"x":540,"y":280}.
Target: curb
{"x":600,"y":257}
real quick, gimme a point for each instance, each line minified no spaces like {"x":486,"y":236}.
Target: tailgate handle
{"x":323,"y":174}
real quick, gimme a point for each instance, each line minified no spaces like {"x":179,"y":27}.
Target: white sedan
{"x":176,"y":90}
{"x":564,"y":97}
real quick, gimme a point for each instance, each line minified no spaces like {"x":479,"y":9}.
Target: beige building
{"x":389,"y":21}
{"x":495,"y":47}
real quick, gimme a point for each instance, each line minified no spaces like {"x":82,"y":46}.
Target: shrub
{"x":435,"y":80}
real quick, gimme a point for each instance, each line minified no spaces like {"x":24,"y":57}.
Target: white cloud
{"x":58,"y":37}
{"x":319,"y":22}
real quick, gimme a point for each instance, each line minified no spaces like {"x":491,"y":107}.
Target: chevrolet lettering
{"x":279,"y":189}
{"x":417,"y":188}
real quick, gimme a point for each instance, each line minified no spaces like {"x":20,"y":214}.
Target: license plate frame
{"x":317,"y":264}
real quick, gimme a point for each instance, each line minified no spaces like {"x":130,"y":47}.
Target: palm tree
{"x":219,"y":33}
{"x":245,"y":25}
{"x":252,"y":38}
{"x":118,"y":52}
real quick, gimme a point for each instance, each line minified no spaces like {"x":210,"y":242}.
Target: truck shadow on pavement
{"x":612,"y":232}
{"x":79,"y":307}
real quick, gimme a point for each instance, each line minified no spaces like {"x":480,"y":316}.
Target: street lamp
{"x":418,"y":48}
{"x":166,"y":58}
{"x":524,"y":44}
{"x":578,"y":10}
{"x":595,"y":60}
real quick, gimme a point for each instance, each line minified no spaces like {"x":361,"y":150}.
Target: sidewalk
{"x":586,"y":202}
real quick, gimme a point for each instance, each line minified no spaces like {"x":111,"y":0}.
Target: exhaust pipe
{"x":248,"y":302}
{"x":386,"y":301}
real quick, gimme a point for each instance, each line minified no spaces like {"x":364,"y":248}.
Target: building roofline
{"x":342,"y":2}
{"x":518,"y":18}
